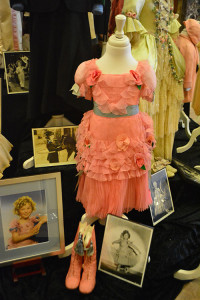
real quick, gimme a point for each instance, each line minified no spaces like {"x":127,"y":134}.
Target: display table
{"x":175,"y":243}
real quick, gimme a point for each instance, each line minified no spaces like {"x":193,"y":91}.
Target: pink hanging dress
{"x":114,"y":140}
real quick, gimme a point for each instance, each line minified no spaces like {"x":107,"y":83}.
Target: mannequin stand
{"x":185,"y":121}
{"x":194,"y":135}
{"x":187,"y":275}
{"x":55,"y":121}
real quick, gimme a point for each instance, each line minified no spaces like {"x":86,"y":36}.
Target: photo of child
{"x":125,"y":249}
{"x":24,"y":219}
{"x":126,"y":255}
{"x":26,"y":227}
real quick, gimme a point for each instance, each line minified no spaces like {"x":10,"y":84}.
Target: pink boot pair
{"x":82,"y":257}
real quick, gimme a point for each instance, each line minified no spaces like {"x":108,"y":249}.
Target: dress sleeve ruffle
{"x":148,"y":77}
{"x":35,"y":219}
{"x":81,"y":88}
{"x":14,"y":226}
{"x":133,"y":25}
{"x":174,"y":26}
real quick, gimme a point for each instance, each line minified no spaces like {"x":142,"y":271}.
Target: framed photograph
{"x":54,"y":146}
{"x":17,"y":64}
{"x":162,"y":205}
{"x":125,"y":249}
{"x":31,"y":217}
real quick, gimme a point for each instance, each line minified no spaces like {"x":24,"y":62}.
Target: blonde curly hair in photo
{"x":20,"y":202}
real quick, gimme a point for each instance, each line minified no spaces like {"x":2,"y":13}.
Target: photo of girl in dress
{"x":54,"y":146}
{"x":17,"y":71}
{"x":162,"y":205}
{"x":126,"y":255}
{"x":125,"y":249}
{"x":24,"y":219}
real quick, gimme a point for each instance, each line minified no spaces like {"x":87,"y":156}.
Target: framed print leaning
{"x":54,"y":146}
{"x":17,"y":71}
{"x":31,"y":217}
{"x":125,"y":249}
{"x":162,"y":205}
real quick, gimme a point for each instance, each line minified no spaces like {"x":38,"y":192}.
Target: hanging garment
{"x":59,"y":42}
{"x":156,"y":45}
{"x":187,"y":45}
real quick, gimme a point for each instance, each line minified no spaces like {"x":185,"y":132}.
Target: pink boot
{"x":88,"y":279}
{"x":74,"y":273}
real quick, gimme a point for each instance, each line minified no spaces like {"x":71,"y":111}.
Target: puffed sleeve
{"x":35,"y":219}
{"x":148,"y":77}
{"x":14,"y":226}
{"x":81,"y":88}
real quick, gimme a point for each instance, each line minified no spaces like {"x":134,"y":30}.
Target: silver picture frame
{"x":45,"y":192}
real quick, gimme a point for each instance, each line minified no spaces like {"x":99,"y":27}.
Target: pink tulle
{"x":115,"y":197}
{"x":114,"y":154}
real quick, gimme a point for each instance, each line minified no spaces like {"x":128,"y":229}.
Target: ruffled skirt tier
{"x":113,"y":158}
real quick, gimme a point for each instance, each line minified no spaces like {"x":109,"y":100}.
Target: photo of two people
{"x":54,"y":146}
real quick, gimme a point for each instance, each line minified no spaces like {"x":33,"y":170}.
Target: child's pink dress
{"x":114,"y":140}
{"x":15,"y":226}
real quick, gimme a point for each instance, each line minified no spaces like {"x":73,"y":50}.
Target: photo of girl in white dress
{"x":125,"y":249}
{"x":162,"y":205}
{"x":126,"y":255}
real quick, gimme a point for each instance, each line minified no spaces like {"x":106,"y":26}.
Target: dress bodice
{"x":147,"y":16}
{"x":114,"y":92}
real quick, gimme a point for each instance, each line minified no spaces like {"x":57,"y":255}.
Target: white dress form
{"x":117,"y":59}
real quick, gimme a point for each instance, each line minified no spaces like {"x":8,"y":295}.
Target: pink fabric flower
{"x":114,"y":165}
{"x":122,"y":142}
{"x":136,"y":77}
{"x":131,"y":14}
{"x":139,"y":160}
{"x":93,"y":77}
{"x":87,"y":142}
{"x":150,"y":140}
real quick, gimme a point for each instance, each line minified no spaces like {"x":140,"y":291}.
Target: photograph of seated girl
{"x":127,"y":254}
{"x":26,"y":227}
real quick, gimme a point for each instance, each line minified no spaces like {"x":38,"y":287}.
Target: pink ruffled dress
{"x":15,"y":226}
{"x":114,"y":141}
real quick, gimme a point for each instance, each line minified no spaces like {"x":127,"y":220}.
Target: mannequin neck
{"x":117,"y":60}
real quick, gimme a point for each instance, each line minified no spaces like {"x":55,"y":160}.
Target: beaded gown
{"x":113,"y":145}
{"x":155,"y":25}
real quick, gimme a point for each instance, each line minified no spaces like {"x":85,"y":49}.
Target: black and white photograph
{"x":125,"y":249}
{"x":17,"y":65}
{"x":31,"y":217}
{"x":162,"y":205}
{"x":54,"y":146}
